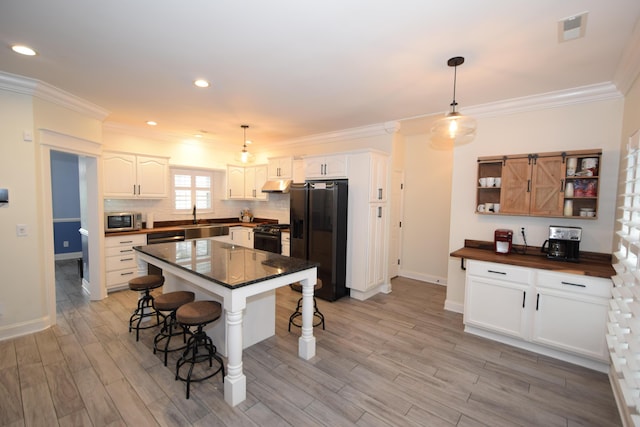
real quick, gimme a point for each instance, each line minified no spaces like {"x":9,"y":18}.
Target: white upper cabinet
{"x":245,"y":183}
{"x":280,"y":168}
{"x":379,"y":178}
{"x":254,"y":179}
{"x":129,"y":176}
{"x":321,"y":167}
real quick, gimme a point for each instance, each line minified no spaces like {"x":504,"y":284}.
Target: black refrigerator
{"x":319,"y":232}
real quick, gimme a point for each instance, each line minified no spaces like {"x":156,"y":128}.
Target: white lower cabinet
{"x":496,"y":297}
{"x":285,"y":238}
{"x":565,"y":313}
{"x":121,"y":263}
{"x":241,"y":236}
{"x":571,"y":313}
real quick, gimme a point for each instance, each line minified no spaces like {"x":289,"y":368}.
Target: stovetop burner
{"x":271,"y":228}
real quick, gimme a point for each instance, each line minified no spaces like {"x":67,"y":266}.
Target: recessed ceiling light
{"x":23,"y":50}
{"x":197,"y":135}
{"x":201,"y":83}
{"x":151,"y":123}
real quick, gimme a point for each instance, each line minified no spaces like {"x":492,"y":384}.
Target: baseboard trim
{"x":456,"y":307}
{"x":68,"y":255}
{"x":556,"y":354}
{"x":24,"y":328}
{"x":423,"y":277}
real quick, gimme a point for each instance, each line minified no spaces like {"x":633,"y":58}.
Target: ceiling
{"x":292,"y":68}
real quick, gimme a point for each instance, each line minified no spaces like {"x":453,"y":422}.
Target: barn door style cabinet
{"x":557,"y":184}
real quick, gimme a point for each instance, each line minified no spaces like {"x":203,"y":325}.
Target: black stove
{"x":266,"y":237}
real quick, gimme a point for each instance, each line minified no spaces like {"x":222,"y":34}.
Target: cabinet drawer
{"x":583,"y":285}
{"x":121,"y":262}
{"x":119,"y":251}
{"x":132,"y":240}
{"x":115,"y":278}
{"x":499,"y":271}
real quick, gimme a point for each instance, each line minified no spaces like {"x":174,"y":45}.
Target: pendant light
{"x":453,"y":128}
{"x":245,"y":156}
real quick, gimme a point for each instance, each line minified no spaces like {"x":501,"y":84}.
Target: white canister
{"x":572,"y":165}
{"x":149,"y":220}
{"x":568,"y":190}
{"x":568,"y":208}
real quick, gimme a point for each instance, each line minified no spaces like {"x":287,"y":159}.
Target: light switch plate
{"x":22,"y":230}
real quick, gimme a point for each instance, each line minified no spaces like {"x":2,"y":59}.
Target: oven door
{"x":267,"y":242}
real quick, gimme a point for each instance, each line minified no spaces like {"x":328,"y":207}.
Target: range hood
{"x":280,"y":186}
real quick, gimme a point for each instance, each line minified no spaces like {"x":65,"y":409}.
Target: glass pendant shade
{"x":454,"y":129}
{"x":244,"y":156}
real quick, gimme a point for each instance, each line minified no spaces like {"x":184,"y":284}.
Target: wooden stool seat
{"x":146,"y":307}
{"x":200,"y":347}
{"x":170,"y":302}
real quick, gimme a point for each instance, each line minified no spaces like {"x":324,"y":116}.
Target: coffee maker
{"x":502,"y":239}
{"x":563,"y":243}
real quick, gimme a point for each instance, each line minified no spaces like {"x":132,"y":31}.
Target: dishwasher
{"x":162,"y":237}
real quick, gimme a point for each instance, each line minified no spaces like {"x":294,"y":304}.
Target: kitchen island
{"x":234,"y":275}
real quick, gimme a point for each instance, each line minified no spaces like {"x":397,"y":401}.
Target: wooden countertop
{"x":591,"y":263}
{"x":181,"y":225}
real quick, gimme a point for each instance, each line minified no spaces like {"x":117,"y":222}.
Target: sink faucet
{"x":195,"y":221}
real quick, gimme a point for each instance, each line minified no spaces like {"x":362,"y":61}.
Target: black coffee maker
{"x":563,"y":243}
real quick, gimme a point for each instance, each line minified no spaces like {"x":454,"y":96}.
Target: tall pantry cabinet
{"x":368,"y":224}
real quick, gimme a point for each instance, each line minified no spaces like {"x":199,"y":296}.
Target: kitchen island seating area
{"x":318,"y":317}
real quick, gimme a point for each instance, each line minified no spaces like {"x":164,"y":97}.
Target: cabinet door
{"x":496,"y":305}
{"x":152,"y":177}
{"x":260,"y":177}
{"x":280,"y":168}
{"x":376,"y":260}
{"x":250,"y":182}
{"x":119,"y":175}
{"x":378,"y":187}
{"x":235,"y":182}
{"x":314,"y":167}
{"x":336,"y":166}
{"x":547,"y":179}
{"x":570,"y":322}
{"x":515,"y":192}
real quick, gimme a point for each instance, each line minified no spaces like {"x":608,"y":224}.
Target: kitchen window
{"x":192,"y":187}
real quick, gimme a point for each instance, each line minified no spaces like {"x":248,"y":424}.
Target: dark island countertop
{"x":223,"y":263}
{"x":591,"y":263}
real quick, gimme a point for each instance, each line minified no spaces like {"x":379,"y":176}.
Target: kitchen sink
{"x":201,"y":231}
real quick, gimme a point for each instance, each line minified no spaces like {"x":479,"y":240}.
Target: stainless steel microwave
{"x":122,"y":221}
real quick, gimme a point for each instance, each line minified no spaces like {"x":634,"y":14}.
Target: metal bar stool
{"x":146,"y":307}
{"x":296,"y":317}
{"x":170,"y":302}
{"x":200,"y":347}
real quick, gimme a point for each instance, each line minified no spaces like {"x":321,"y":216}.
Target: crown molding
{"x":561,"y":98}
{"x":386,"y":128}
{"x":46,"y":92}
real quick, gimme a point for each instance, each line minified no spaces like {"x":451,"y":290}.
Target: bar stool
{"x":200,"y":347}
{"x":318,"y":318}
{"x":146,"y":308}
{"x":170,"y":302}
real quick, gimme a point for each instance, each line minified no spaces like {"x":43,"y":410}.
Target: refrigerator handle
{"x":297,"y":228}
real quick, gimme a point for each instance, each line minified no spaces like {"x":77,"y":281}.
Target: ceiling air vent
{"x":572,"y":28}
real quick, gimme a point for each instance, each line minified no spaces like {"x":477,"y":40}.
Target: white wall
{"x":22,"y":297}
{"x":427,"y":209}
{"x":581,"y":126}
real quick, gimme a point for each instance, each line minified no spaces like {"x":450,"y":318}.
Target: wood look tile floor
{"x":394,"y":360}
